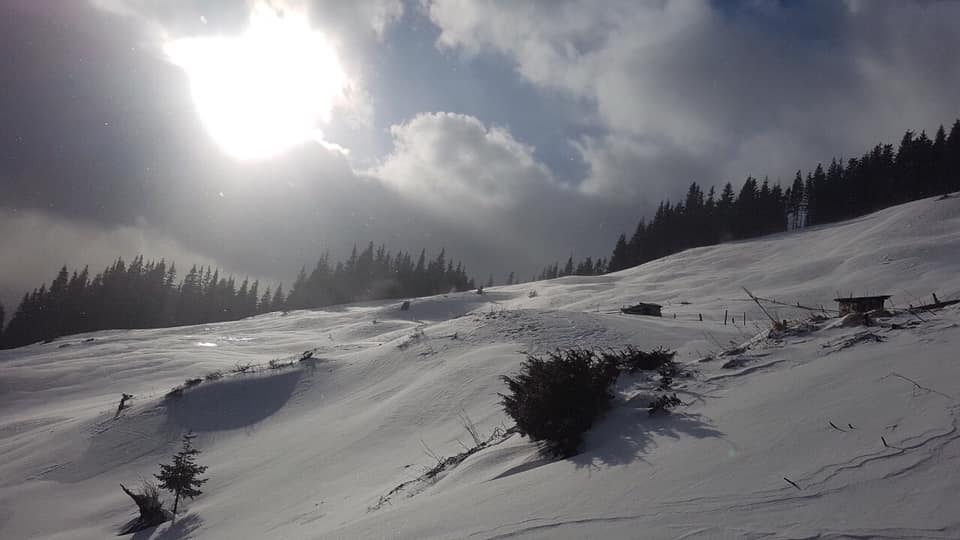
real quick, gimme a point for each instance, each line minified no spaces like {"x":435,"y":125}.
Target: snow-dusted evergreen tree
{"x":181,"y":476}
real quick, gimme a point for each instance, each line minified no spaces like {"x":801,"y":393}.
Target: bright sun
{"x":266,"y":90}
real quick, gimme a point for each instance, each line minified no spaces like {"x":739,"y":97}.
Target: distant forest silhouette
{"x":882,"y":177}
{"x":146,"y":294}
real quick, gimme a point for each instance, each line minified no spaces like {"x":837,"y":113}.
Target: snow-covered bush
{"x":556,"y":399}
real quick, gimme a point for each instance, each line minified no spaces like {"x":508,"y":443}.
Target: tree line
{"x":374,"y":274}
{"x":919,"y":167}
{"x":586,"y":267}
{"x":147,"y":293}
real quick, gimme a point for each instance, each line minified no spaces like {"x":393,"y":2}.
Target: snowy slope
{"x":307,"y":452}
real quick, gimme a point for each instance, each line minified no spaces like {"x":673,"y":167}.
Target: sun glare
{"x":266,"y":90}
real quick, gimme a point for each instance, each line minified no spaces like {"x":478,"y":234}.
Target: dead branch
{"x":430,"y":453}
{"x":834,"y":426}
{"x":917,"y":386}
{"x":469,"y":426}
{"x":763,"y":309}
{"x":887,"y":445}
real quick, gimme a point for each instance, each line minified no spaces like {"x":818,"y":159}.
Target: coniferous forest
{"x":883,"y":177}
{"x":148,"y":294}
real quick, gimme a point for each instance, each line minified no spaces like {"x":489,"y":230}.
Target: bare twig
{"x":888,"y":445}
{"x":430,"y":453}
{"x":917,"y":386}
{"x":763,"y":309}
{"x":468,"y":425}
{"x":834,"y":426}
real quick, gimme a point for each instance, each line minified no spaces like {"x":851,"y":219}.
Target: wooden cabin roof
{"x":861,"y":298}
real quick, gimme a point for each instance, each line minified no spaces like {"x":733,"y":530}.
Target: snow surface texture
{"x":309,"y":451}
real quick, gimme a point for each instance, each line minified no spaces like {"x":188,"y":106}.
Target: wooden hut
{"x":643,"y":308}
{"x":861,"y":304}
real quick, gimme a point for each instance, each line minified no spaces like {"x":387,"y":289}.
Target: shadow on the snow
{"x":627,"y":433}
{"x":233,"y":403}
{"x":181,"y":528}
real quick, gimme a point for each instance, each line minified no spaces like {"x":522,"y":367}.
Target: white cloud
{"x":450,"y":160}
{"x":695,"y":84}
{"x":375,"y":15}
{"x":484,"y":189}
{"x":624,"y":168}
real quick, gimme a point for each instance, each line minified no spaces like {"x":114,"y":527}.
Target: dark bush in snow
{"x":557,"y":399}
{"x":633,"y":360}
{"x":664,"y":403}
{"x":668,"y":370}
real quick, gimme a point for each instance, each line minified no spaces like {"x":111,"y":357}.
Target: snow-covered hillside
{"x":308,"y":452}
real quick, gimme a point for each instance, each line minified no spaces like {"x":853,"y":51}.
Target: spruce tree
{"x":264,"y":305}
{"x":621,"y":255}
{"x":278,"y":303}
{"x":181,"y":476}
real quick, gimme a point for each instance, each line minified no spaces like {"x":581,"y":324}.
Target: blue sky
{"x":412,"y":75}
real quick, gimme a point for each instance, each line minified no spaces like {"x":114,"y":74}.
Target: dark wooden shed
{"x":643,"y":308}
{"x":861,"y":304}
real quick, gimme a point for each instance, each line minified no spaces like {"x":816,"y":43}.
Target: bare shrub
{"x":470,"y":427}
{"x":664,"y":403}
{"x":242,"y":367}
{"x":148,"y":502}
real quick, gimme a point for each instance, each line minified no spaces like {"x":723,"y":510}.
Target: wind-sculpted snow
{"x":816,"y":430}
